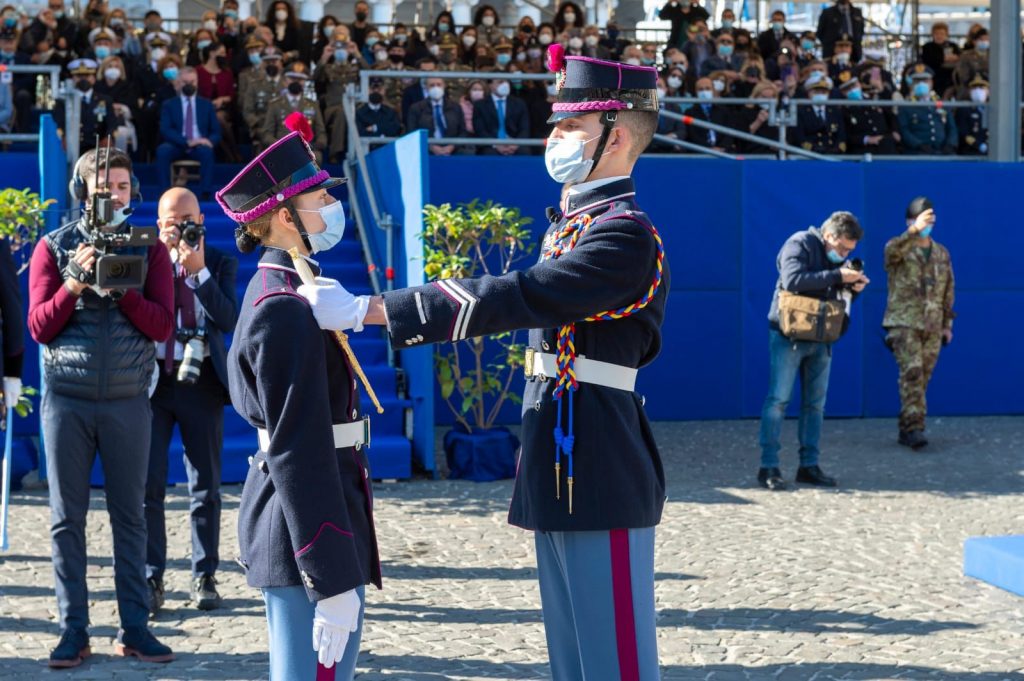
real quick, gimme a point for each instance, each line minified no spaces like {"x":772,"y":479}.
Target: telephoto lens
{"x":191,"y":361}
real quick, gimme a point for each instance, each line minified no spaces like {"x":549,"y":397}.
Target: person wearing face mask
{"x":440,"y":117}
{"x":52,"y":24}
{"x":310,"y":473}
{"x":266,"y":85}
{"x":376,"y":118}
{"x":592,"y":46}
{"x":98,"y":360}
{"x":869,"y":129}
{"x":668,"y":127}
{"x":448,"y":60}
{"x":820,"y":128}
{"x":97,"y":113}
{"x":683,"y":14}
{"x":125,"y":96}
{"x":467,"y":40}
{"x":501,"y":115}
{"x":217,"y":84}
{"x":919,"y":313}
{"x":206,"y":309}
{"x":841,"y":59}
{"x":842,"y":20}
{"x":395,"y":61}
{"x":340,"y":65}
{"x":613,"y":41}
{"x":292,"y":100}
{"x":569,"y":16}
{"x":697,"y":48}
{"x":127,"y":40}
{"x":769,"y":41}
{"x":926,"y":130}
{"x":808,"y":45}
{"x":727,"y":24}
{"x":417,"y":91}
{"x":101,"y":41}
{"x":725,"y":59}
{"x":249,"y":69}
{"x":324,"y":36}
{"x":488,"y":25}
{"x":972,"y":122}
{"x":22,"y":85}
{"x":972,"y":62}
{"x":755,"y":117}
{"x":443,"y":25}
{"x":941,"y":55}
{"x":813,"y":264}
{"x":189,"y":129}
{"x":708,"y":111}
{"x":593,"y":514}
{"x":360,"y":29}
{"x":502,"y":48}
{"x":201,"y":40}
{"x":526,"y":31}
{"x":285,"y":28}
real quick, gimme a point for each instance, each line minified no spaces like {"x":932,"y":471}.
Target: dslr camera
{"x":191,"y":233}
{"x":855,"y":264}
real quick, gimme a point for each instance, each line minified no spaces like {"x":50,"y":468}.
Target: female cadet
{"x":305,"y":522}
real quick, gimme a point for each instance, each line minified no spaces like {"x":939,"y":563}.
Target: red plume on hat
{"x":556,"y":63}
{"x":297,"y":122}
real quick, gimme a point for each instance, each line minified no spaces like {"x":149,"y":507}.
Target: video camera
{"x":116,"y":272}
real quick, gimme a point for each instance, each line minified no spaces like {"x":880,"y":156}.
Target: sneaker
{"x":139,"y":642}
{"x":156,"y":595}
{"x":72,"y":649}
{"x":204,"y":593}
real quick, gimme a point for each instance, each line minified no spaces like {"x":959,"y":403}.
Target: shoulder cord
{"x":564,"y":241}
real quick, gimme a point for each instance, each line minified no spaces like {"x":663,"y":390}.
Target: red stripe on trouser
{"x":622,"y":595}
{"x":323,"y":673}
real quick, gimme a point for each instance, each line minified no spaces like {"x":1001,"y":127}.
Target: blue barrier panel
{"x":996,"y":560}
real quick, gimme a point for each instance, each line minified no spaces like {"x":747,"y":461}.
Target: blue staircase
{"x":391,"y":451}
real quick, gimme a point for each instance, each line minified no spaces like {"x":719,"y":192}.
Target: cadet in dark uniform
{"x":868,"y":128}
{"x":820,"y":128}
{"x":594,"y":498}
{"x":972,"y":123}
{"x":926,"y":130}
{"x":305,"y":525}
{"x":97,"y":110}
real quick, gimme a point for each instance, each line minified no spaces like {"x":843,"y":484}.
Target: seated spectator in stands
{"x":378,"y":58}
{"x":189,"y":130}
{"x":468,"y":42}
{"x":502,"y":47}
{"x":250,"y":68}
{"x":101,"y":43}
{"x":324,"y":36}
{"x":169,"y":67}
{"x":569,"y":16}
{"x":820,"y":128}
{"x":973,"y":62}
{"x":842,"y":20}
{"x":372,"y":46}
{"x":127,"y":41}
{"x":501,"y":115}
{"x":753,"y":118}
{"x":294,"y":99}
{"x":440,"y":117}
{"x":488,"y":25}
{"x":675,"y":57}
{"x":377,"y":119}
{"x":723,"y":59}
{"x":546,"y":34}
{"x":92,"y":17}
{"x":201,"y":39}
{"x":484,"y":59}
{"x":540,"y":110}
{"x":808,"y":49}
{"x":668,"y":127}
{"x":285,"y":28}
{"x":841,"y":59}
{"x":415,"y":47}
{"x":97,"y":114}
{"x":698,"y":47}
{"x":632,"y":55}
{"x":525,"y":31}
{"x":534,"y":62}
{"x":53,"y":25}
{"x":6,"y":108}
{"x":869,"y":129}
{"x":784,"y":64}
{"x":769,"y":41}
{"x":882,"y":82}
{"x":941,"y":55}
{"x":752,"y":72}
{"x":972,"y":123}
{"x":361,"y":29}
{"x":574,"y":43}
{"x":675,"y":82}
{"x":721,"y":83}
{"x":727,"y":23}
{"x":444,"y":25}
{"x":706,"y":110}
{"x":267,"y":84}
{"x":157,"y":87}
{"x":648,"y":54}
{"x":926,"y":130}
{"x":416,"y":92}
{"x":613,"y":41}
{"x":114,"y":83}
{"x":217,"y":84}
{"x":474,"y":93}
{"x":811,"y":74}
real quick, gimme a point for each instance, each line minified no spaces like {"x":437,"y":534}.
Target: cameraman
{"x":98,"y":360}
{"x":812,"y":263}
{"x":206,"y":309}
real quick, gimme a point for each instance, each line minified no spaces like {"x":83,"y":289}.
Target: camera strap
{"x":185,"y":314}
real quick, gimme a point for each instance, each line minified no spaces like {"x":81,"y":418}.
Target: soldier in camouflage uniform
{"x":448,"y":60}
{"x":258,"y":95}
{"x":294,"y":99}
{"x":254,"y":49}
{"x":339,"y":66}
{"x":919,"y":316}
{"x":394,"y":87}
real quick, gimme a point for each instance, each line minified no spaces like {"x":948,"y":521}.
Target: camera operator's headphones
{"x":79,"y":190}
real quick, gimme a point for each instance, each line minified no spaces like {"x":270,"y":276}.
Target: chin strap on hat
{"x":294,"y":212}
{"x":608,"y":119}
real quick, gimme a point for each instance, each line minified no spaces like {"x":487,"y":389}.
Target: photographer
{"x":192,"y":392}
{"x":98,"y":360}
{"x":810,"y":311}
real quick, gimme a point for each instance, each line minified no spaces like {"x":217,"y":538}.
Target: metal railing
{"x":366,"y":74}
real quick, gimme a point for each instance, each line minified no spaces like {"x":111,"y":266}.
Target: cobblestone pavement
{"x":863,"y":582}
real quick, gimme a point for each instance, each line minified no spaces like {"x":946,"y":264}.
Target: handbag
{"x":802,"y":318}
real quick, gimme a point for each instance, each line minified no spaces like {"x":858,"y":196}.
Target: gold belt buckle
{"x":528,"y":361}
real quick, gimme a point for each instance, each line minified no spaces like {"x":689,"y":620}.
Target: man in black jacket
{"x":707,"y":110}
{"x":811,"y":263}
{"x":842,"y":20}
{"x":12,"y":330}
{"x":206,"y":308}
{"x":501,"y":115}
{"x":440,"y":117}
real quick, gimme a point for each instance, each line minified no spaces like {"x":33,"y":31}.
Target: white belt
{"x":355,"y":434}
{"x":544,"y":366}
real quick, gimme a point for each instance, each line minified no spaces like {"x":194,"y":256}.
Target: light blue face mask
{"x":255,"y":59}
{"x":927,"y":231}
{"x":855,"y":95}
{"x":503,"y":59}
{"x":102,"y":52}
{"x":170,"y":73}
{"x":725,"y":51}
{"x":120,"y":215}
{"x":564,"y":160}
{"x":922,"y":90}
{"x":333,"y":215}
{"x":202,"y":44}
{"x":835,"y":258}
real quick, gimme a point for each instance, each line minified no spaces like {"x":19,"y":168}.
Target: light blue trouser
{"x":597,"y":595}
{"x":290,"y":621}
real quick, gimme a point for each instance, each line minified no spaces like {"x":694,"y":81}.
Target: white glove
{"x":335,"y":308}
{"x":334,"y":619}
{"x":12,"y":390}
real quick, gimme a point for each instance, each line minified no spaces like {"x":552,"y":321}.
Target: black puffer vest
{"x":99,"y":355}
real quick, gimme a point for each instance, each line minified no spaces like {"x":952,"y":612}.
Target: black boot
{"x":813,"y":475}
{"x":204,"y":593}
{"x":72,"y":649}
{"x":156,"y":595}
{"x":914,"y":439}
{"x":139,"y":642}
{"x":771,"y":478}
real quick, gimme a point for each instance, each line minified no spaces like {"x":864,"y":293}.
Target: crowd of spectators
{"x":241,"y":76}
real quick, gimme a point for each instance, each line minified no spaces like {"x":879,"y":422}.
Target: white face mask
{"x":705,"y":94}
{"x":381,"y":55}
{"x":436,"y":93}
{"x":633,"y":61}
{"x":570,"y":17}
{"x":476,"y":95}
{"x":819,"y":97}
{"x":544,"y":38}
{"x":843,"y":57}
{"x":210,"y":25}
{"x":158,"y":53}
{"x":979,"y":95}
{"x":675,"y":82}
{"x":502,"y":89}
{"x":120,"y":215}
{"x":552,"y":90}
{"x":281,"y":15}
{"x":661,"y":93}
{"x":719,"y":85}
{"x":112,"y":73}
{"x":487,"y":20}
{"x":591,"y":40}
{"x":575,"y":43}
{"x":564,"y":160}
{"x":469,"y":40}
{"x":333,"y":216}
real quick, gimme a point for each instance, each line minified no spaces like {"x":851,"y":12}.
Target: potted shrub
{"x":475,"y":375}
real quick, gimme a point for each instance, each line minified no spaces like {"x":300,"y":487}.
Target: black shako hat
{"x":588,"y":85}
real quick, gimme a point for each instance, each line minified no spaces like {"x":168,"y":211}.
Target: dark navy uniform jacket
{"x":305,"y":517}
{"x":619,"y":479}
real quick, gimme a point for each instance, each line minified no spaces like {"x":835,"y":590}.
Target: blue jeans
{"x":788,"y":358}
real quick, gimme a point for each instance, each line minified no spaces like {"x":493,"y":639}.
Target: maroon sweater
{"x":50,"y":303}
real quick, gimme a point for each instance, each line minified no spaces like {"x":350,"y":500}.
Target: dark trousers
{"x":199,"y":412}
{"x":168,"y":153}
{"x":74,"y":430}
